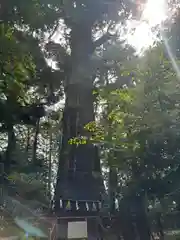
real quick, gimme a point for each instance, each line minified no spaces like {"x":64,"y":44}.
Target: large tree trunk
{"x":79,"y":109}
{"x":79,"y":176}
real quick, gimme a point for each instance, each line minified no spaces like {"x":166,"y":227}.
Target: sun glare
{"x":154,"y":12}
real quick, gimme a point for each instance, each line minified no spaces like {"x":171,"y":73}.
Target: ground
{"x":173,"y":235}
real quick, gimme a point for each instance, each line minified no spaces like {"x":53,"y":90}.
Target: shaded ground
{"x":172,"y":235}
{"x":8,"y":228}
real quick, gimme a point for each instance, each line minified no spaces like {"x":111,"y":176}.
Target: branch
{"x":107,"y":36}
{"x":53,"y":32}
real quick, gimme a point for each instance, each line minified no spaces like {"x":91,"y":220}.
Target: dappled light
{"x":144,"y":32}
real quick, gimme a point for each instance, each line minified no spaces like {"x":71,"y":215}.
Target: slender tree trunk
{"x":141,"y":220}
{"x":10,"y":148}
{"x":112,"y":188}
{"x":113,"y":170}
{"x":3,"y":9}
{"x":50,"y":166}
{"x":137,"y":201}
{"x":27,"y":143}
{"x":159,"y":226}
{"x":126,"y":224}
{"x":35,"y":142}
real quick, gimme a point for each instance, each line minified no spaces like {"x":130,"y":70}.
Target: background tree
{"x":139,"y":130}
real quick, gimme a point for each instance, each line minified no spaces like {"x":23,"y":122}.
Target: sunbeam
{"x":142,"y":33}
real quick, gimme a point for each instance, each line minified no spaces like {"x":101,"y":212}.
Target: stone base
{"x":77,"y":228}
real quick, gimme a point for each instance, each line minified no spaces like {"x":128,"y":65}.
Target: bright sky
{"x":153,"y":14}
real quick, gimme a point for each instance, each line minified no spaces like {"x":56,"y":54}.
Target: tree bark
{"x":78,"y":109}
{"x":27,"y":142}
{"x":127,"y":224}
{"x":159,"y":226}
{"x":141,"y":220}
{"x":10,"y":148}
{"x":50,"y":165}
{"x":35,"y":142}
{"x":112,"y":188}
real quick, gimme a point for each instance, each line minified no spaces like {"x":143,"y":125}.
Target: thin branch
{"x":53,"y":32}
{"x":107,"y":36}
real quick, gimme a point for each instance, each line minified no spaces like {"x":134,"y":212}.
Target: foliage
{"x":139,"y":127}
